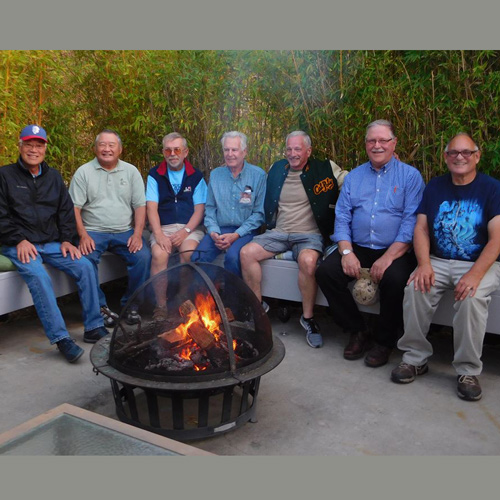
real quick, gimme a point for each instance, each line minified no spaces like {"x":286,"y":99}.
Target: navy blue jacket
{"x":175,"y":208}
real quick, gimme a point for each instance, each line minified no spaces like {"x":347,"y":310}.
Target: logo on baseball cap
{"x":33,"y":132}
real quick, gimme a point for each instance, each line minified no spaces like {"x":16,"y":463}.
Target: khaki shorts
{"x":196,"y":235}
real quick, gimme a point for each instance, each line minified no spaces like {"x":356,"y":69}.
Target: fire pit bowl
{"x":191,"y":367}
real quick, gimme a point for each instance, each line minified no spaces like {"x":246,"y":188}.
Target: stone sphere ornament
{"x":365,"y":290}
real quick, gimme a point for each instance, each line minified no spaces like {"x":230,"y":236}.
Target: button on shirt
{"x":235,"y":201}
{"x":377,"y":208}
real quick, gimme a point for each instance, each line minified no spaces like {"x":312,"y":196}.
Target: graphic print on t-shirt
{"x":455,"y":229}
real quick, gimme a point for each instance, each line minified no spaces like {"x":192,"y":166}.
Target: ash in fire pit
{"x":212,"y":338}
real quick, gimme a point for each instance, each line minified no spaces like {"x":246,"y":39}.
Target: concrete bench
{"x":14,"y":293}
{"x":279,"y":281}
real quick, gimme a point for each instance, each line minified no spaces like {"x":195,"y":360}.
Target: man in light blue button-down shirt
{"x":374,"y":221}
{"x":234,"y":210}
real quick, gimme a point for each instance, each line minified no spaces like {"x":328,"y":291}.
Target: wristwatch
{"x":346,"y":251}
{"x":187,"y":229}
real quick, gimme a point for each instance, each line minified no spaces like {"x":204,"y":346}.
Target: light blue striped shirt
{"x":235,"y":201}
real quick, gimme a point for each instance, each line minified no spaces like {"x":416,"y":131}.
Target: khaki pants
{"x":469,"y":321}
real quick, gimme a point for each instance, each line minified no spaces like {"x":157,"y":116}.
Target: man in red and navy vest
{"x":176,"y":193}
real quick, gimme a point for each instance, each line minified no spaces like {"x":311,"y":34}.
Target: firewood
{"x":186,"y":308}
{"x":173,"y":336}
{"x":201,"y":335}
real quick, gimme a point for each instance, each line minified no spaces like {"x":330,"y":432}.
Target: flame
{"x":208,"y":313}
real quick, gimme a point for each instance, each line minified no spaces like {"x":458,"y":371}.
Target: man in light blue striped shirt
{"x":234,"y":210}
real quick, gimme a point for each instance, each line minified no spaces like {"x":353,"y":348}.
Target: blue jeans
{"x":206,"y":251}
{"x":42,"y":292}
{"x":138,"y":264}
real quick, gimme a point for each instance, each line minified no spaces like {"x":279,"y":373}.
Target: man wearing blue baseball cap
{"x":37,"y":226}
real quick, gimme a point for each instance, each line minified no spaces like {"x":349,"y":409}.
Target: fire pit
{"x":191,"y":367}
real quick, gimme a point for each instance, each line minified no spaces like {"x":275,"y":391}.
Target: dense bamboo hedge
{"x":333,"y":95}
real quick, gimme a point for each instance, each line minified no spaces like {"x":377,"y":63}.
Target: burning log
{"x":173,"y":337}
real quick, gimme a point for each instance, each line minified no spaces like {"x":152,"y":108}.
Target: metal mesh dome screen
{"x":197,"y":320}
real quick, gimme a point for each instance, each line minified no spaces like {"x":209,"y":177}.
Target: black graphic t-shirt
{"x":458,"y":216}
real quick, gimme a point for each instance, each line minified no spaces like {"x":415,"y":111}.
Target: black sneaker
{"x":132,"y":316}
{"x":110,"y":318}
{"x":468,"y":388}
{"x":313,"y":337}
{"x":70,"y":350}
{"x":405,"y":373}
{"x":92,"y":336}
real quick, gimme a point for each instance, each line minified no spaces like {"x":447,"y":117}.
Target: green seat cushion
{"x":5,"y":263}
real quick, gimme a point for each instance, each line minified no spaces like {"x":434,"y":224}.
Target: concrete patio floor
{"x":314,"y":403}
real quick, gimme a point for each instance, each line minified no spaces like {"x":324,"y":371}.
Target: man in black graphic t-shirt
{"x":457,"y":245}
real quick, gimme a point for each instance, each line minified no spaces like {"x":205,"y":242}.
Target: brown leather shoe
{"x":378,"y":356}
{"x":358,"y":343}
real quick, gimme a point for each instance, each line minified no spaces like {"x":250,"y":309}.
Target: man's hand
{"x":87,"y":244}
{"x":178,"y":237}
{"x":25,"y":251}
{"x":226,"y":240}
{"x":134,"y":243}
{"x":164,"y":242}
{"x":423,"y":278}
{"x":351,"y":265}
{"x":467,"y":286}
{"x":216,"y":239}
{"x":379,"y":266}
{"x":68,"y":248}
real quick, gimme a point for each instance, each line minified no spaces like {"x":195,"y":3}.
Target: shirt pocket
{"x":395,"y":200}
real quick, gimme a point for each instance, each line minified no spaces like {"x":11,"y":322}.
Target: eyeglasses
{"x":37,"y":147}
{"x":466,"y":153}
{"x":372,"y":142}
{"x":175,"y":151}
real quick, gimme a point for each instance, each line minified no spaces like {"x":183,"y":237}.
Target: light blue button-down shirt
{"x":377,"y":208}
{"x":235,"y":201}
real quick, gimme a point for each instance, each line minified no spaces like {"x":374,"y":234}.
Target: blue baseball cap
{"x":33,"y":132}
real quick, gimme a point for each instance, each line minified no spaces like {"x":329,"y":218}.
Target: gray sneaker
{"x":405,"y":373}
{"x":468,"y":388}
{"x":313,"y":337}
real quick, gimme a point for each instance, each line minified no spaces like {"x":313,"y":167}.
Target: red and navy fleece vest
{"x":175,"y":208}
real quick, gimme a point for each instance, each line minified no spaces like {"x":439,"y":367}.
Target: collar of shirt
{"x":386,"y":167}
{"x":98,"y":166}
{"x":24,"y":166}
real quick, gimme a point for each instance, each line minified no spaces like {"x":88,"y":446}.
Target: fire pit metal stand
{"x":217,"y":396}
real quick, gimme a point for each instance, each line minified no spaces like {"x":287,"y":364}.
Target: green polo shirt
{"x":107,"y":198}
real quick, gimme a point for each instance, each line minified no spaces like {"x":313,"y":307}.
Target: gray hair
{"x":233,"y":134}
{"x":108,"y":131}
{"x":299,"y":133}
{"x":464,"y":134}
{"x":172,"y":136}
{"x":381,"y":123}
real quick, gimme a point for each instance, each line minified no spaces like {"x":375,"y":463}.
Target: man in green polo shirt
{"x":110,"y":211}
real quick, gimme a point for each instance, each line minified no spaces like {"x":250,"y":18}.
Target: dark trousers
{"x":333,"y":283}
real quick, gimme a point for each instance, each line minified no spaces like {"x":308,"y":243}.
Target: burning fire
{"x":200,"y":330}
